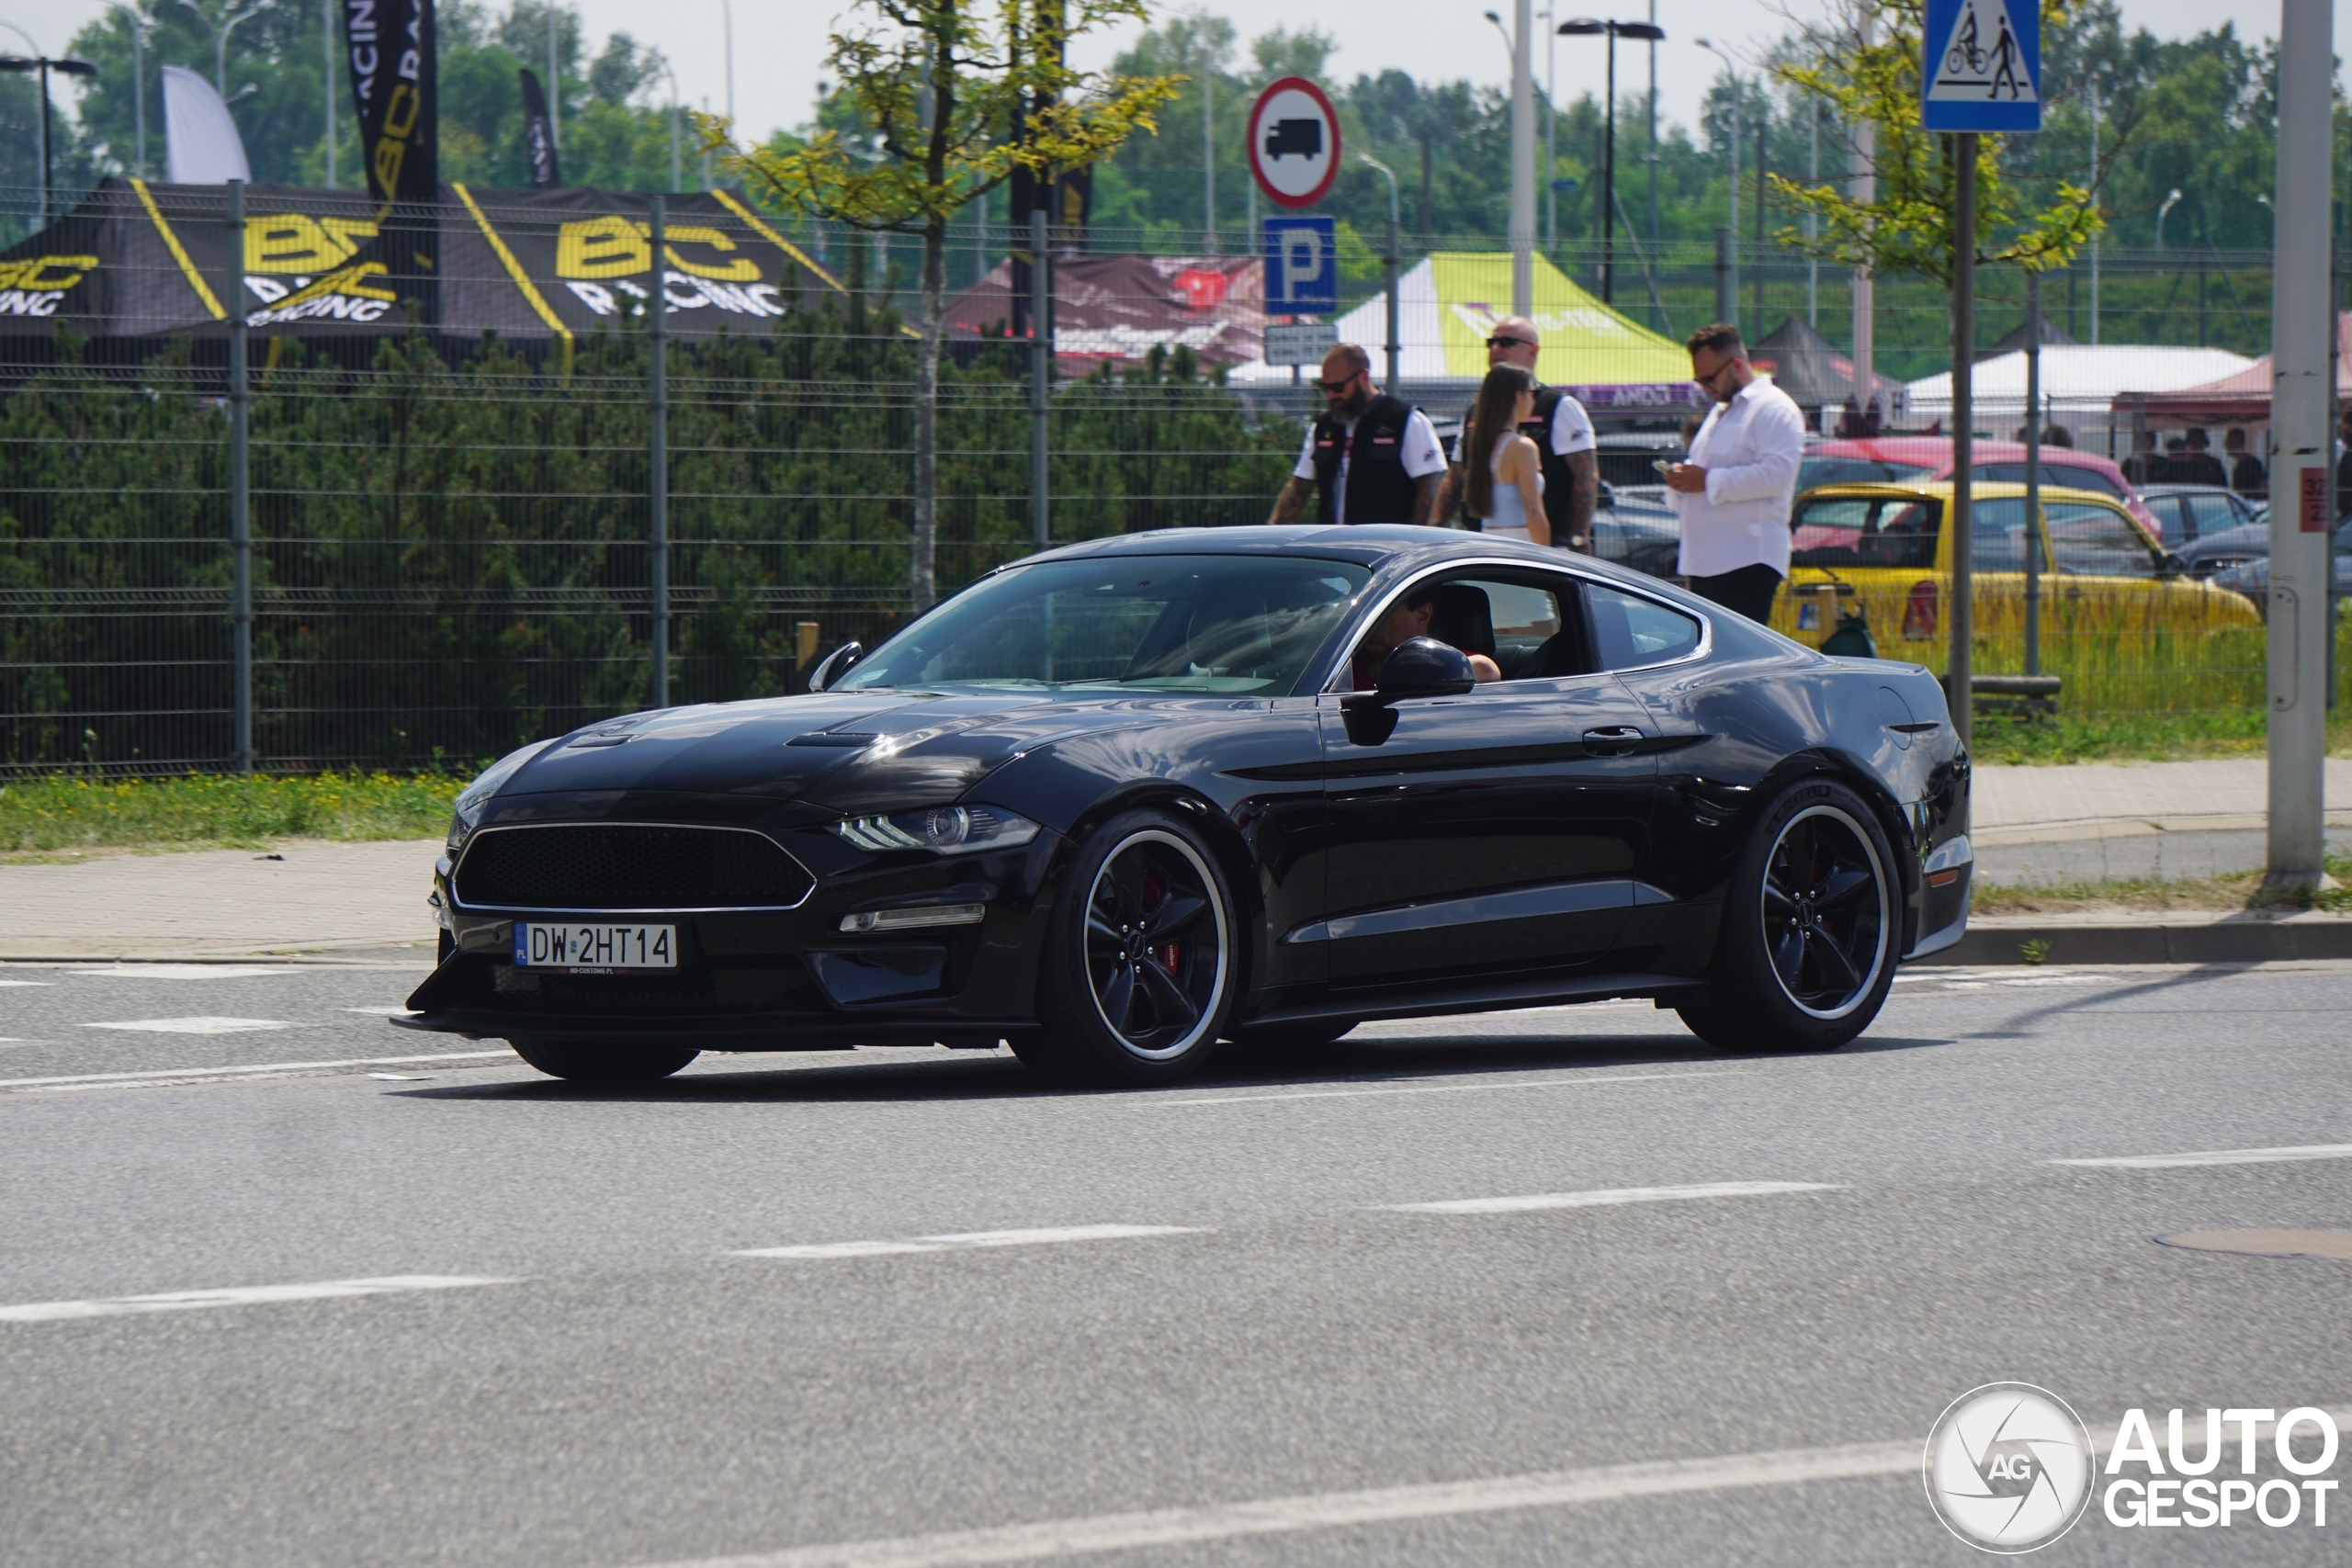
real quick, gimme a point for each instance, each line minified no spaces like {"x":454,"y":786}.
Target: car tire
{"x":1141,"y":962}
{"x":1810,"y":930}
{"x":597,"y":1062}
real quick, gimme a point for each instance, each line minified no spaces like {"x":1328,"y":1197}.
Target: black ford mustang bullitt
{"x":1118,"y":803}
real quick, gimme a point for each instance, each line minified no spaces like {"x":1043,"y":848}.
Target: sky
{"x":780,"y":44}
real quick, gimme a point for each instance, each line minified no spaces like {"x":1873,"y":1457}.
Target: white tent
{"x":2081,"y":382}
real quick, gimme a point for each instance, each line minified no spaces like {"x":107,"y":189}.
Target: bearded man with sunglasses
{"x":1563,"y":441}
{"x":1369,"y":459}
{"x":1735,"y":493}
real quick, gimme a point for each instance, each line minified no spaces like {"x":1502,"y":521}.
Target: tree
{"x":1910,"y":226}
{"x":954,"y":95}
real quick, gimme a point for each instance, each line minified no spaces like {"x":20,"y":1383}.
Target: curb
{"x":2228,"y":940}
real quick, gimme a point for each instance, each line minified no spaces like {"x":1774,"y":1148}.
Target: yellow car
{"x":2110,"y":594}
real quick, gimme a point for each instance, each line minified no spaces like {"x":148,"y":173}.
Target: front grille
{"x":614,"y":866}
{"x":637,"y":992}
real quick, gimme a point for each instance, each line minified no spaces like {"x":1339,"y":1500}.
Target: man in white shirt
{"x":1736,"y":491}
{"x":1562,"y":434}
{"x":1369,"y":459}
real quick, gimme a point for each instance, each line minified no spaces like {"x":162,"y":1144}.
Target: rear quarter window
{"x":1630,"y":632}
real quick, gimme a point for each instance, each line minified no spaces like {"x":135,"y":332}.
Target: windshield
{"x":1245,"y":625}
{"x":1815,"y":471}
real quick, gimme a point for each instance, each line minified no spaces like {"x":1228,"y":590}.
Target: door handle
{"x":1611,"y":740}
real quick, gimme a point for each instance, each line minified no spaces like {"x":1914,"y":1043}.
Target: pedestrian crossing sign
{"x":1982,"y":66}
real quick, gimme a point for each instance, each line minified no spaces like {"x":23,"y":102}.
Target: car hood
{"x":851,"y":751}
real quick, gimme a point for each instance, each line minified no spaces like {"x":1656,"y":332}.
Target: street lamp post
{"x":1731,"y":292}
{"x":1522,"y":154}
{"x":1585,"y":26}
{"x":41,"y":64}
{"x":138,"y":91}
{"x":2164,"y":212}
{"x":221,"y":31}
{"x":677,"y":176}
{"x":1388,"y":262}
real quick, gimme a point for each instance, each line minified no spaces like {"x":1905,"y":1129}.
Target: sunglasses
{"x":1340,"y":385}
{"x":1500,"y":342}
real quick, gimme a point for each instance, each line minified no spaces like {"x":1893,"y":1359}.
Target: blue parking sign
{"x":1301,"y":266}
{"x":1981,"y":68}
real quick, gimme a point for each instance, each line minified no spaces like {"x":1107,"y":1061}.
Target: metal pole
{"x":657,"y":453}
{"x":2094,"y":185}
{"x":1650,"y":133}
{"x":1958,"y":669}
{"x":1388,"y":262}
{"x":1756,"y":284}
{"x":2034,"y":526}
{"x":1609,"y":183}
{"x":1813,"y":218}
{"x":1208,"y":140}
{"x":1551,"y":120}
{"x":1522,"y":160}
{"x":1726,"y":276}
{"x":727,"y":12}
{"x":1865,"y":189}
{"x":138,"y":92}
{"x":44,"y":140}
{"x":2302,"y":477}
{"x":1041,"y":367}
{"x":554,"y":88}
{"x":326,"y":52}
{"x":240,"y":499}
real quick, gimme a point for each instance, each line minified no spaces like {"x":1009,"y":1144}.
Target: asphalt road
{"x":567,"y":1351}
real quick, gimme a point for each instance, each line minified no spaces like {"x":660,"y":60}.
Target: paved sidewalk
{"x":321,"y":897}
{"x":2083,"y":822}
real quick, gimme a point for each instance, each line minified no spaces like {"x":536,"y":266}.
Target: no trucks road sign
{"x":1981,"y":68}
{"x":1294,"y":143}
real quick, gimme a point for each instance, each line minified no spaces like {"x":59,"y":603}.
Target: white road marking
{"x":23,"y":982}
{"x":182,"y":971}
{"x":1387,"y":1504}
{"x":382,"y":1012}
{"x":2219,"y":1157}
{"x":209,"y":1075}
{"x":198,"y":1025}
{"x":1441,"y":1088}
{"x":967,"y":1239}
{"x":1607,"y":1196}
{"x":249,"y":1295}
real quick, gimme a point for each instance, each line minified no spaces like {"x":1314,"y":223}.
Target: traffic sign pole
{"x":1958,"y":664}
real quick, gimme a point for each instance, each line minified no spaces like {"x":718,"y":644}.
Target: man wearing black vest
{"x":1369,"y":459}
{"x":1562,"y":431}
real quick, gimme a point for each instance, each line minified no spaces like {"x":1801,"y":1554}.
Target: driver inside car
{"x":1407,"y":619}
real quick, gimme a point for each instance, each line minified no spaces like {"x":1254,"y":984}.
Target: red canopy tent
{"x":1122,"y":307}
{"x":2242,"y":399}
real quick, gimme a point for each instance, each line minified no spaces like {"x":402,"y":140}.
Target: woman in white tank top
{"x":1506,"y":490}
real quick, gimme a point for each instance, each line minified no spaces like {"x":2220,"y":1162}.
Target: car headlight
{"x":477,"y":795}
{"x":943,"y":829}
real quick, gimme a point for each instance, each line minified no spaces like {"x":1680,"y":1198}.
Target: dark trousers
{"x":1748,"y":591}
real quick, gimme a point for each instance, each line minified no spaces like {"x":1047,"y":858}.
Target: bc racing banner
{"x":393,"y":88}
{"x":137,"y":260}
{"x":539,"y":135}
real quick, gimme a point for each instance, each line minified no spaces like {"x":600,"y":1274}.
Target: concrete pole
{"x":1958,"y":672}
{"x":326,"y":11}
{"x":1522,"y":159}
{"x":2302,"y":477}
{"x":1208,"y":140}
{"x":657,"y":483}
{"x":2092,"y":181}
{"x":240,"y":495}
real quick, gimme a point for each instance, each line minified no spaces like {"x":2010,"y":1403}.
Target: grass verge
{"x":2211,"y":894}
{"x":44,"y":818}
{"x":2137,"y":737}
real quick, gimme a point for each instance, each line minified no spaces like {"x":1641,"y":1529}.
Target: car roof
{"x":1982,"y":490}
{"x":2189,"y":489}
{"x":1372,"y":545}
{"x":1925,"y":448}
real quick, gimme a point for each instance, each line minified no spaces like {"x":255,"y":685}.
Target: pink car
{"x":1895,"y":459}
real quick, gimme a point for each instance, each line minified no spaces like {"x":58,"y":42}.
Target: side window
{"x":1527,"y":625}
{"x":1629,"y":632}
{"x":1996,"y":534}
{"x":2080,"y":476}
{"x":2211,"y":514}
{"x":2094,"y":542}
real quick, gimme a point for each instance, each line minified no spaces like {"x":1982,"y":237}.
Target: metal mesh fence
{"x":449,"y":480}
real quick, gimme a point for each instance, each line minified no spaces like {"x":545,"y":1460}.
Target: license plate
{"x":595,"y":950}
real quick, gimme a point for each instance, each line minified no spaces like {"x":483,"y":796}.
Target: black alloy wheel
{"x":1140,"y":974}
{"x":599,"y":1062}
{"x":1826,"y":911}
{"x":1810,"y":933}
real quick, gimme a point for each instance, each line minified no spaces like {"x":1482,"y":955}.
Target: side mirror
{"x":835,"y":665}
{"x":1420,"y":667}
{"x":2171,"y":566}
